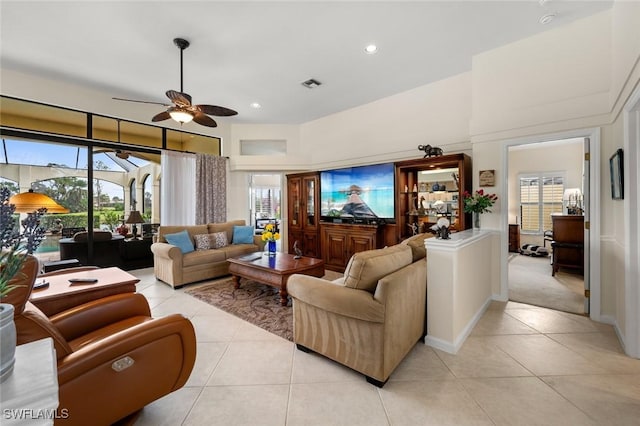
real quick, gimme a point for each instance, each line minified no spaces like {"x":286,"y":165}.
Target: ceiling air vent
{"x":311,"y":83}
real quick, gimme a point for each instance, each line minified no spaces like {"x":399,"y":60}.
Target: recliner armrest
{"x":323,"y":294}
{"x":99,"y":313}
{"x":131,"y":342}
{"x":167,"y":251}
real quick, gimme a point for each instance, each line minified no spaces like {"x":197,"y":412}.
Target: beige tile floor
{"x":522,"y":365}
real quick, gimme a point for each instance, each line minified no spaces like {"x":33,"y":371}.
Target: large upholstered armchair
{"x":369,"y":319}
{"x":113,"y":358}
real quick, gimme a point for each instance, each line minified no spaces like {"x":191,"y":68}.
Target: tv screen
{"x":359,"y":193}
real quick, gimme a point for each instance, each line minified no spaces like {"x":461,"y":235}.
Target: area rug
{"x":253,"y":302}
{"x":530,"y":282}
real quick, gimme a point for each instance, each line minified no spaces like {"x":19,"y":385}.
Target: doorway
{"x":547,"y":180}
{"x":265,"y":203}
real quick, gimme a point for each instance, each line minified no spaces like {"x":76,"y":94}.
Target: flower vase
{"x":271,"y":248}
{"x":476,"y":220}
{"x":7,"y":341}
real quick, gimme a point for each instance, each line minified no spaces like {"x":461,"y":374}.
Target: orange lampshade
{"x":30,"y":201}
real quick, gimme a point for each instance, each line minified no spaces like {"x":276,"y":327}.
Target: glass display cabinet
{"x":303,"y":213}
{"x":429,"y":189}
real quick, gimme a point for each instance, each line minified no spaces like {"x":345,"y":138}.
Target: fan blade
{"x":204,"y":119}
{"x":141,"y":102}
{"x":164,"y":115}
{"x":179,"y":98}
{"x":218,"y":111}
{"x":122,"y":154}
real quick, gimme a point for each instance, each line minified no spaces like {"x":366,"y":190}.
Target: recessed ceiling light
{"x":371,"y":49}
{"x":545,"y":19}
{"x":255,"y":105}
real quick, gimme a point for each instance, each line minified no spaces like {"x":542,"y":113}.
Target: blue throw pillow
{"x":242,"y":235}
{"x":182,"y":240}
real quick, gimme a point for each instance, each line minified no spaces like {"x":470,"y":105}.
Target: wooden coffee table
{"x":60,"y":295}
{"x":273,"y":270}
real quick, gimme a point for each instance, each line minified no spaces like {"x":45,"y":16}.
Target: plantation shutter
{"x":529,"y":204}
{"x":552,"y":192}
{"x":540,"y":196}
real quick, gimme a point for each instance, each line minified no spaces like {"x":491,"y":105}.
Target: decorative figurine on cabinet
{"x":430,"y":151}
{"x":421,"y":210}
{"x":297,"y":251}
{"x":441,"y":229}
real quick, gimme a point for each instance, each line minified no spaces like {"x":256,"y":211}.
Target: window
{"x":147,"y":190}
{"x":265,"y":196}
{"x":540,"y":196}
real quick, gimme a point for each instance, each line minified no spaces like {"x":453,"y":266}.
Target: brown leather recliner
{"x":113,"y":358}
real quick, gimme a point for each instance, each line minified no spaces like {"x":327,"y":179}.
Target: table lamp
{"x":134,"y":218}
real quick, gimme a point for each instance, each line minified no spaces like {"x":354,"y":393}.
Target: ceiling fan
{"x":182,"y":110}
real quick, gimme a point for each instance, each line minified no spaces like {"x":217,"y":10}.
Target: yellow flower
{"x":269,"y":233}
{"x":270,"y":236}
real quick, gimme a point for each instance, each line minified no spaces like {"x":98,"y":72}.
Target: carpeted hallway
{"x":530,"y":282}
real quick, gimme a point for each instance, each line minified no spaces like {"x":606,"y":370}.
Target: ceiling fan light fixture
{"x":181,"y":115}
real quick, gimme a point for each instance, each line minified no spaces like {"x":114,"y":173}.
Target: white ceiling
{"x":244,"y":52}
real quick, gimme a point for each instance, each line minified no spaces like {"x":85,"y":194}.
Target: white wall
{"x":393,"y":127}
{"x":515,"y":97}
{"x":560,"y":75}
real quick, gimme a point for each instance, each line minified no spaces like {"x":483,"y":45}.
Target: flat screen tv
{"x":358,"y":194}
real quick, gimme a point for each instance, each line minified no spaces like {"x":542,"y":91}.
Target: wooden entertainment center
{"x":426,"y":189}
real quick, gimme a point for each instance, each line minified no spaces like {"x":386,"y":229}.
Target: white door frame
{"x":594,"y":207}
{"x":631,"y":119}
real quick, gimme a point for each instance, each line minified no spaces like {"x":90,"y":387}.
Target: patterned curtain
{"x":211,"y":189}
{"x":177,"y":197}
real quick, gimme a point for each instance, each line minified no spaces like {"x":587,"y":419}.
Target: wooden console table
{"x":514,"y":238}
{"x":60,"y":295}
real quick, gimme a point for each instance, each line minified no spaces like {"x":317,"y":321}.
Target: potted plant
{"x":270,"y":236}
{"x":478,"y":203}
{"x":15,"y":246}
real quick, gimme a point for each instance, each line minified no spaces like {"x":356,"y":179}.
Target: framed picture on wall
{"x":487,"y":177}
{"x":617,"y":175}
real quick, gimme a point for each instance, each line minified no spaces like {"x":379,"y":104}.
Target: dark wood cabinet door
{"x":335,"y":249}
{"x":311,"y":244}
{"x":294,"y":205}
{"x":358,"y":243}
{"x":303,"y":193}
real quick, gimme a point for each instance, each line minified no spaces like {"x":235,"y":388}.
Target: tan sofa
{"x":369,"y":319}
{"x":177,"y":269}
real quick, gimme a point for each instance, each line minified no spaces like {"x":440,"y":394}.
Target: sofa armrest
{"x":99,"y":313}
{"x":166,"y":250}
{"x":330,"y":297}
{"x":257,"y":240}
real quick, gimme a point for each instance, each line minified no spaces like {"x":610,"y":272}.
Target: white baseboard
{"x":454,"y":347}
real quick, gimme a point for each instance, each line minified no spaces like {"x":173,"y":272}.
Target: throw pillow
{"x":218,"y":240}
{"x":182,"y":240}
{"x":242,"y":235}
{"x":202,"y":241}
